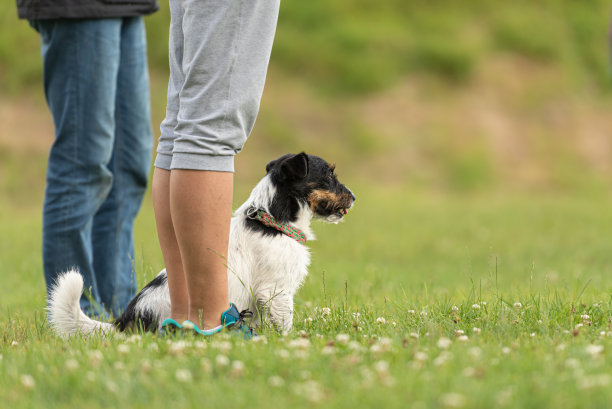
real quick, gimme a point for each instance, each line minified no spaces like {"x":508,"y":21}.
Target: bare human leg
{"x":201,"y":209}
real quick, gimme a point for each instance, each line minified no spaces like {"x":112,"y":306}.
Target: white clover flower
{"x":476,"y":330}
{"x":27,"y":381}
{"x":177,"y":348}
{"x":355,"y":346}
{"x":381,"y":367}
{"x":223,"y":361}
{"x":111,"y":386}
{"x":14,"y":343}
{"x":442,"y":358}
{"x":326,"y":312}
{"x":600,"y":380}
{"x":303,"y":334}
{"x":444,"y":342}
{"x":476,"y":306}
{"x":328,"y":350}
{"x":424,"y":313}
{"x":532,"y":335}
{"x":123,"y":349}
{"x":483,"y":303}
{"x":153,"y":347}
{"x":454,"y":308}
{"x":414,"y":335}
{"x":452,"y":400}
{"x":95,"y":357}
{"x":356,"y":316}
{"x":459,"y":332}
{"x":411,"y":312}
{"x":223,"y":346}
{"x":133,"y":338}
{"x":463,"y":338}
{"x":343,"y":338}
{"x":420,"y":356}
{"x":146,"y":366}
{"x":276,"y":381}
{"x":381,"y":320}
{"x":475,"y":352}
{"x":206,"y":365}
{"x":506,"y":350}
{"x":299,"y":343}
{"x":517,"y":305}
{"x":310,"y":390}
{"x":468,"y":372}
{"x":307,"y":320}
{"x":393,"y":324}
{"x":183,"y":375}
{"x":594,"y":350}
{"x":71,"y":364}
{"x":237,"y":368}
{"x":572,"y":363}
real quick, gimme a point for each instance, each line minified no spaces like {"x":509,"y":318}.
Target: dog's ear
{"x":295,"y":167}
{"x":270,"y":165}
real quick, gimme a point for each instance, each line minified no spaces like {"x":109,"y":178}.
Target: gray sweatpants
{"x":219,"y":54}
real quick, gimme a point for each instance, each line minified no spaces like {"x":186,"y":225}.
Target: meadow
{"x":474,"y":271}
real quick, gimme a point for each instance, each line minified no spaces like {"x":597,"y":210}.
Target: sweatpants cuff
{"x":163,"y":161}
{"x":196,"y":161}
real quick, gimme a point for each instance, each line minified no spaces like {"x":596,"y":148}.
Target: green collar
{"x":269,"y":221}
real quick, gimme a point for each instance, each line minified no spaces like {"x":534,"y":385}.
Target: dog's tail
{"x":65,"y":314}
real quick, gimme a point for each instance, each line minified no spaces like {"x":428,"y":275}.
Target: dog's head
{"x":307,"y":181}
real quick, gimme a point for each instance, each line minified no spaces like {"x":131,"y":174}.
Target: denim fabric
{"x":97,"y":88}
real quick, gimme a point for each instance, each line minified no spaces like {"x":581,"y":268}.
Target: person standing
{"x":96,"y":84}
{"x":219,"y":55}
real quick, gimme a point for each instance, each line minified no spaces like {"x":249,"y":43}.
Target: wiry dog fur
{"x":265,"y":266}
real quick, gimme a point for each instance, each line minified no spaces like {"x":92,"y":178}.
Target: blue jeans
{"x":97,"y":88}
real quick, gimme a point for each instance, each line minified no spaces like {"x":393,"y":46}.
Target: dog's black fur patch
{"x":143,"y":320}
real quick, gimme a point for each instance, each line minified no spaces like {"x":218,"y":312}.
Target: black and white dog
{"x":267,"y":260}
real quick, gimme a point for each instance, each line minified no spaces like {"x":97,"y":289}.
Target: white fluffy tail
{"x":65,"y":314}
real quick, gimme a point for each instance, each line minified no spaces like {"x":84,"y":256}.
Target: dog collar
{"x":269,"y":221}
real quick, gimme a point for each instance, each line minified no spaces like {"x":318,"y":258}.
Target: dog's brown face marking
{"x":329,"y":201}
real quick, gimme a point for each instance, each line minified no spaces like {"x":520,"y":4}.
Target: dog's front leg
{"x":279,"y":308}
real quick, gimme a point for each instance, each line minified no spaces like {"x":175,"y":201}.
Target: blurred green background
{"x":428,"y":94}
{"x":466,"y":129}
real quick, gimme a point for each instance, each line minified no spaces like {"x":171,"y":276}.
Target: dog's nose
{"x":352,"y":195}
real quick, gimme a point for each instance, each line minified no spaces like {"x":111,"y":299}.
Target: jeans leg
{"x":113,"y":228}
{"x":80,"y":64}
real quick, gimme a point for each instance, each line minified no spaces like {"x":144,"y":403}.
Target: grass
{"x":474,"y":270}
{"x":360,"y":46}
{"x":417,"y":300}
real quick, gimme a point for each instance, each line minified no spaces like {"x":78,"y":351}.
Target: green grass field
{"x":417,"y":300}
{"x":475,"y":270}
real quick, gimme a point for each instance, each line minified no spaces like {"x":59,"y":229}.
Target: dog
{"x":267,"y":256}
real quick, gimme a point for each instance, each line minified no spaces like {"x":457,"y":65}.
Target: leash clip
{"x":251,"y":213}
